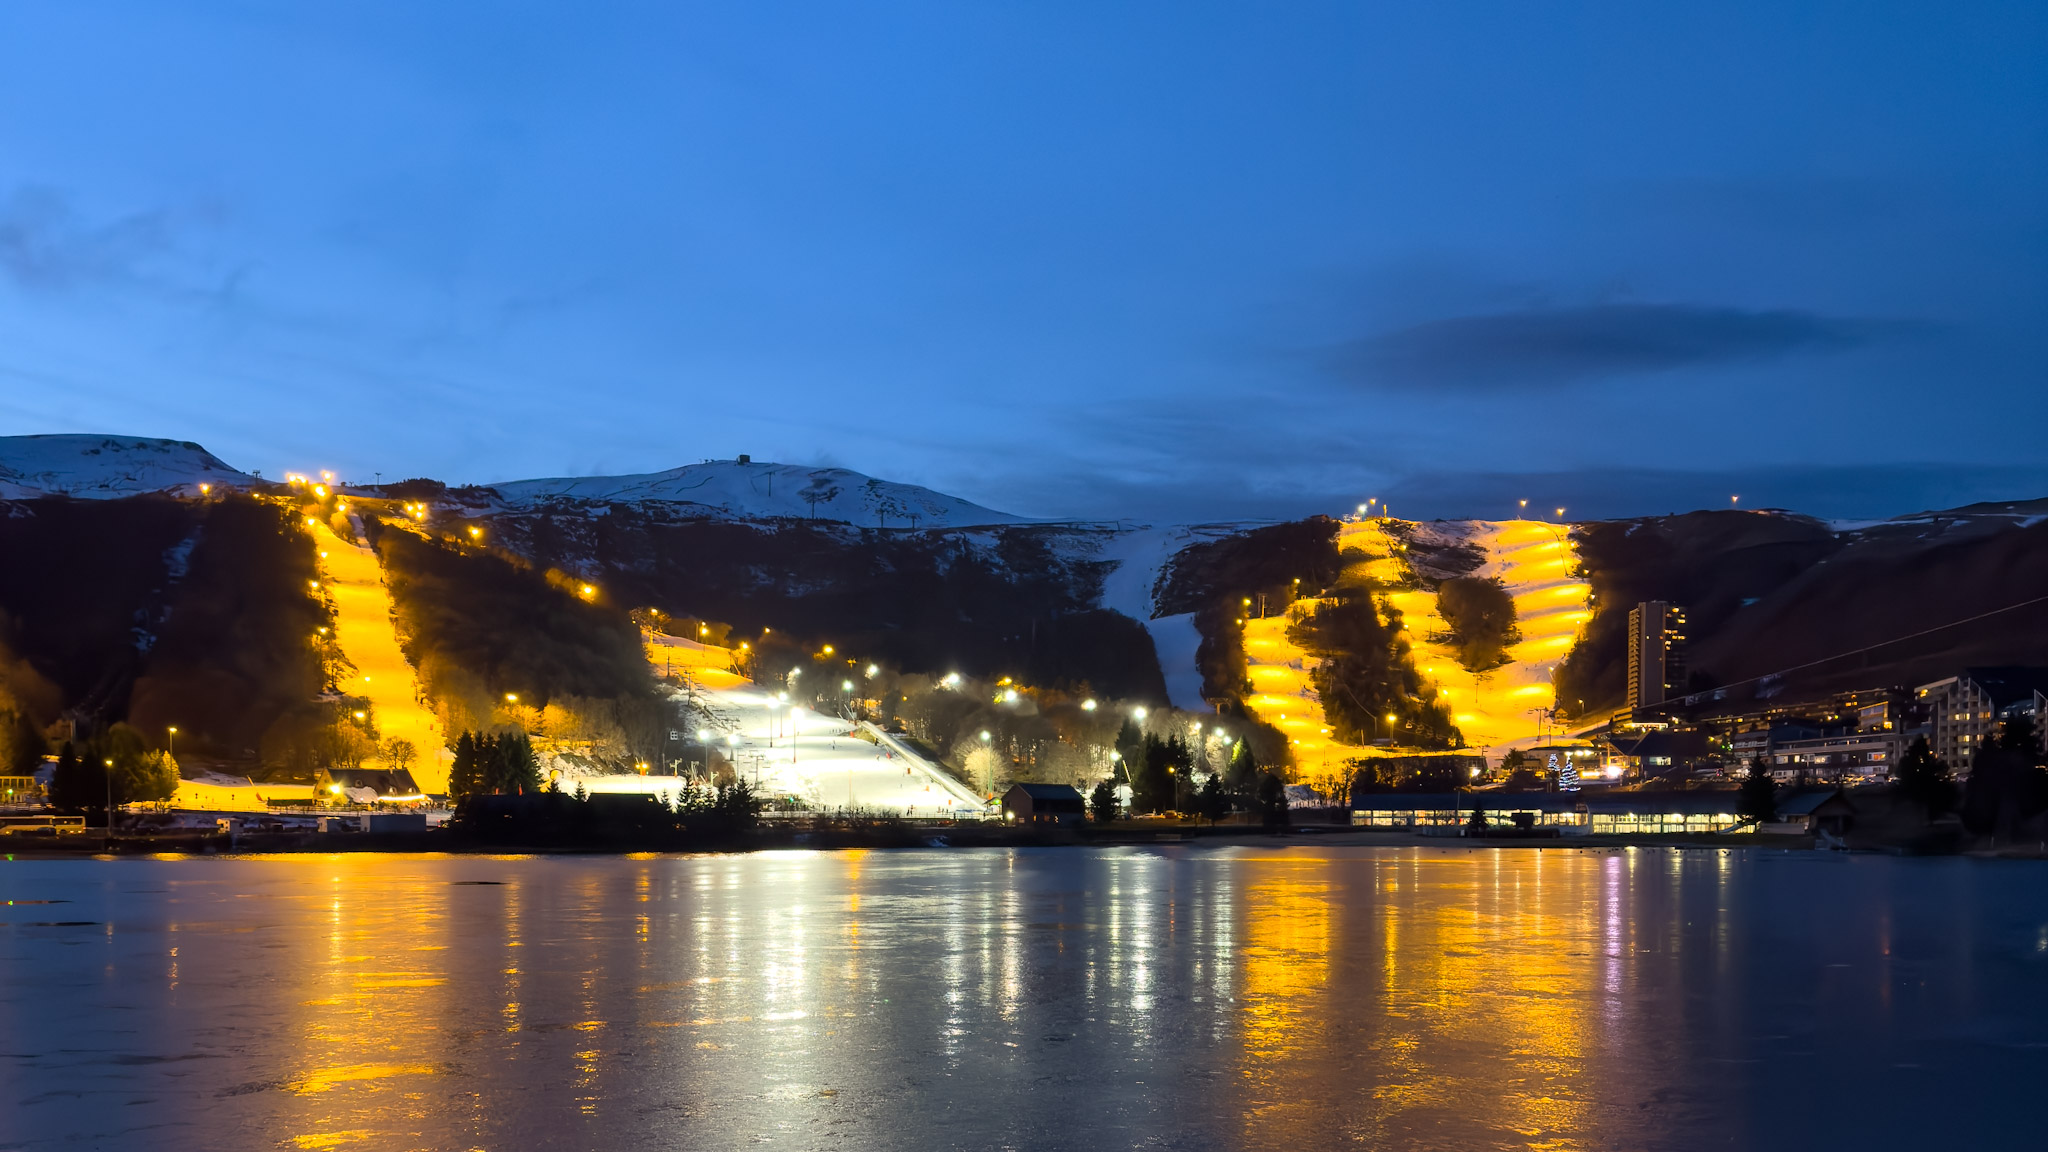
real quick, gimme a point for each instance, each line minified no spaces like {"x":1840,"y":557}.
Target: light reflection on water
{"x":1195,"y":998}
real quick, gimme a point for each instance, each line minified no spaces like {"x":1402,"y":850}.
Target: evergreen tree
{"x":1213,"y":801}
{"x":1272,"y":801}
{"x":1102,"y":802}
{"x":84,"y":777}
{"x":464,"y":779}
{"x":78,"y":785}
{"x":2008,"y":783}
{"x":738,"y":805}
{"x":1476,"y":826}
{"x":1757,"y":799}
{"x":490,"y":765}
{"x":1925,"y":779}
{"x":1130,"y":745}
{"x":1151,"y":780}
{"x":1243,"y":772}
{"x":1180,"y":761}
{"x":518,"y":768}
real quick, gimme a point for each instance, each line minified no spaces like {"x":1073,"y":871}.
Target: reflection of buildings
{"x":1656,"y":653}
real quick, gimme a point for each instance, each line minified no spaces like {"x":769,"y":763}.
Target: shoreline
{"x":844,"y":838}
{"x":880,"y":835}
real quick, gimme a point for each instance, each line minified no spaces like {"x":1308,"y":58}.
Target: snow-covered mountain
{"x":99,"y":467}
{"x":744,"y":489}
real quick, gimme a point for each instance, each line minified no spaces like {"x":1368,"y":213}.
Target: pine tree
{"x":1925,"y":779}
{"x":1213,"y":802}
{"x":1244,"y":767}
{"x":1130,"y":743}
{"x":1180,"y":763}
{"x":1757,"y":800}
{"x":1272,"y":801}
{"x":492,"y":771}
{"x":463,"y":778}
{"x":1151,"y":780}
{"x":520,"y":768}
{"x":2008,"y":783}
{"x":77,"y":784}
{"x":1102,"y":802}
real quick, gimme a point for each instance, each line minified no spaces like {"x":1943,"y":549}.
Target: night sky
{"x":1174,"y":260}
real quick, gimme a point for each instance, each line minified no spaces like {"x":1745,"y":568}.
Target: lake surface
{"x":1197,"y":998}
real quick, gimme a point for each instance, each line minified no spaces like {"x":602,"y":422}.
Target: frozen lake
{"x":1283,"y":998}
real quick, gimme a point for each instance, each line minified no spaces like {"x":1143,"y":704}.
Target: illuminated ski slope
{"x":1505,"y":706}
{"x":351,"y":574}
{"x":817,"y":759}
{"x":1495,"y":710}
{"x":794,"y":752}
{"x":1283,"y":697}
{"x":679,"y":661}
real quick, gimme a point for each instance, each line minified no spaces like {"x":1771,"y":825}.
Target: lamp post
{"x":107,"y":774}
{"x":173,"y":743}
{"x":990,"y":760}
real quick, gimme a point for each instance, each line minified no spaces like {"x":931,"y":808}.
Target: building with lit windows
{"x":1656,"y":653}
{"x":1966,"y":709}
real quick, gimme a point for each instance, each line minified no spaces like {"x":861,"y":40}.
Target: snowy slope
{"x":722,"y":488}
{"x":99,"y":467}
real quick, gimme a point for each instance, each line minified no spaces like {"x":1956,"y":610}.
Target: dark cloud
{"x":1548,"y":347}
{"x":45,"y":247}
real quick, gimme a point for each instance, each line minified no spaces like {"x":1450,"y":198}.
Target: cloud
{"x":44,"y":247}
{"x":1551,"y":347}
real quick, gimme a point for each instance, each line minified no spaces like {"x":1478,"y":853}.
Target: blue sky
{"x":1176,"y":260}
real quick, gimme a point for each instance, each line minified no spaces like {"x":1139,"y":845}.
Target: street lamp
{"x":173,"y":742}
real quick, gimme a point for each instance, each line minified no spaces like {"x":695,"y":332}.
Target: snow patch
{"x":1175,"y":639}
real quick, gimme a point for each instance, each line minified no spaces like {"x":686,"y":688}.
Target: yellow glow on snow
{"x":708,"y":665}
{"x":363,"y":627}
{"x":1496,"y":709}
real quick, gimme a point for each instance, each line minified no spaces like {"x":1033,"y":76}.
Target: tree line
{"x":116,"y":765}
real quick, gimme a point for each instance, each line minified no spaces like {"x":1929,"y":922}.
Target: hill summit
{"x":102,"y":467}
{"x":744,"y":489}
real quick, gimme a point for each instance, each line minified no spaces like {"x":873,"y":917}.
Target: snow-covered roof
{"x":101,"y":467}
{"x":722,"y":488}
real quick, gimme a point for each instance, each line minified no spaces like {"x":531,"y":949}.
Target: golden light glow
{"x":1530,"y":557}
{"x":364,"y":632}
